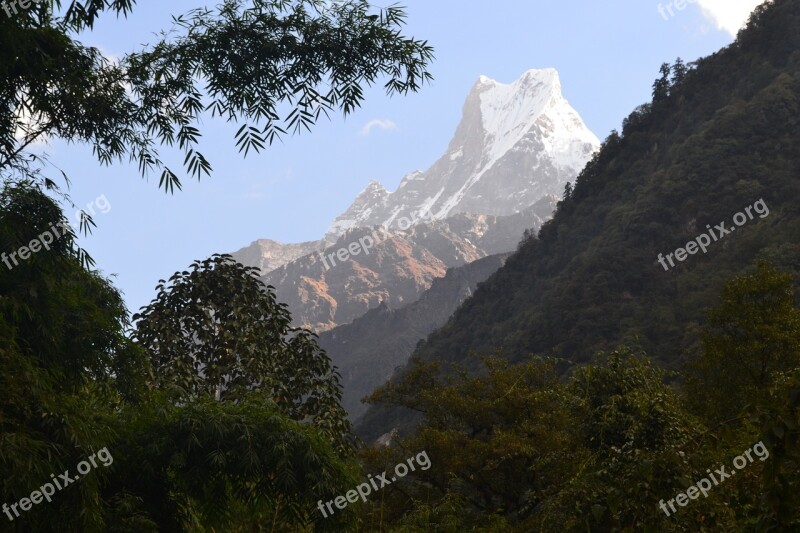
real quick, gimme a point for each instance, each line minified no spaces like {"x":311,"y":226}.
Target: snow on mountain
{"x":509,"y":110}
{"x":375,"y":196}
{"x":516,"y":143}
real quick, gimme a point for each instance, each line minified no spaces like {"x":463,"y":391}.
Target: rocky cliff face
{"x":323,"y":291}
{"x":268,"y":255}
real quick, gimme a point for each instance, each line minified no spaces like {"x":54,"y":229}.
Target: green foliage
{"x":242,"y":429}
{"x":516,"y":448}
{"x":216,"y":331}
{"x":720,"y":134}
{"x":626,"y":403}
{"x":634,"y":427}
{"x":751,"y":336}
{"x":497,"y":444}
{"x":222,"y":466}
{"x":780,"y":427}
{"x":66,"y":365}
{"x":270,"y":65}
{"x":746,"y":383}
{"x":679,"y":71}
{"x":70,"y":321}
{"x":662,"y":85}
{"x":72,"y":382}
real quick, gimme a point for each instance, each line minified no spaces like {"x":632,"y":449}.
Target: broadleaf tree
{"x":751,"y":337}
{"x":217,"y":331}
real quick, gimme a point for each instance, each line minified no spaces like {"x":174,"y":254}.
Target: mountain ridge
{"x":515,"y":143}
{"x":717,"y":137}
{"x":512,"y":153}
{"x":397,"y":269}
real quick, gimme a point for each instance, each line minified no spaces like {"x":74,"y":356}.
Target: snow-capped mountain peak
{"x":507,"y":111}
{"x":371,"y":200}
{"x":515,"y":144}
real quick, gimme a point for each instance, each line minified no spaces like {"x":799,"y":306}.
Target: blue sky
{"x":607,"y":53}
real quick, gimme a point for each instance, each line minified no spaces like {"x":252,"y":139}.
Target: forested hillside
{"x":719,"y":135}
{"x":637,"y":366}
{"x":633,"y":366}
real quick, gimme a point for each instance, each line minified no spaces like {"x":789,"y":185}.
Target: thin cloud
{"x":387,"y":125}
{"x":729,"y":15}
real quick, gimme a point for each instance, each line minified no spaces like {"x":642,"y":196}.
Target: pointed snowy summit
{"x":515,"y":144}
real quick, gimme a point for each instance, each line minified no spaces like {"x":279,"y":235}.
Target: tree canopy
{"x":74,"y":381}
{"x":543,"y":445}
{"x":216,"y":331}
{"x":270,"y":66}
